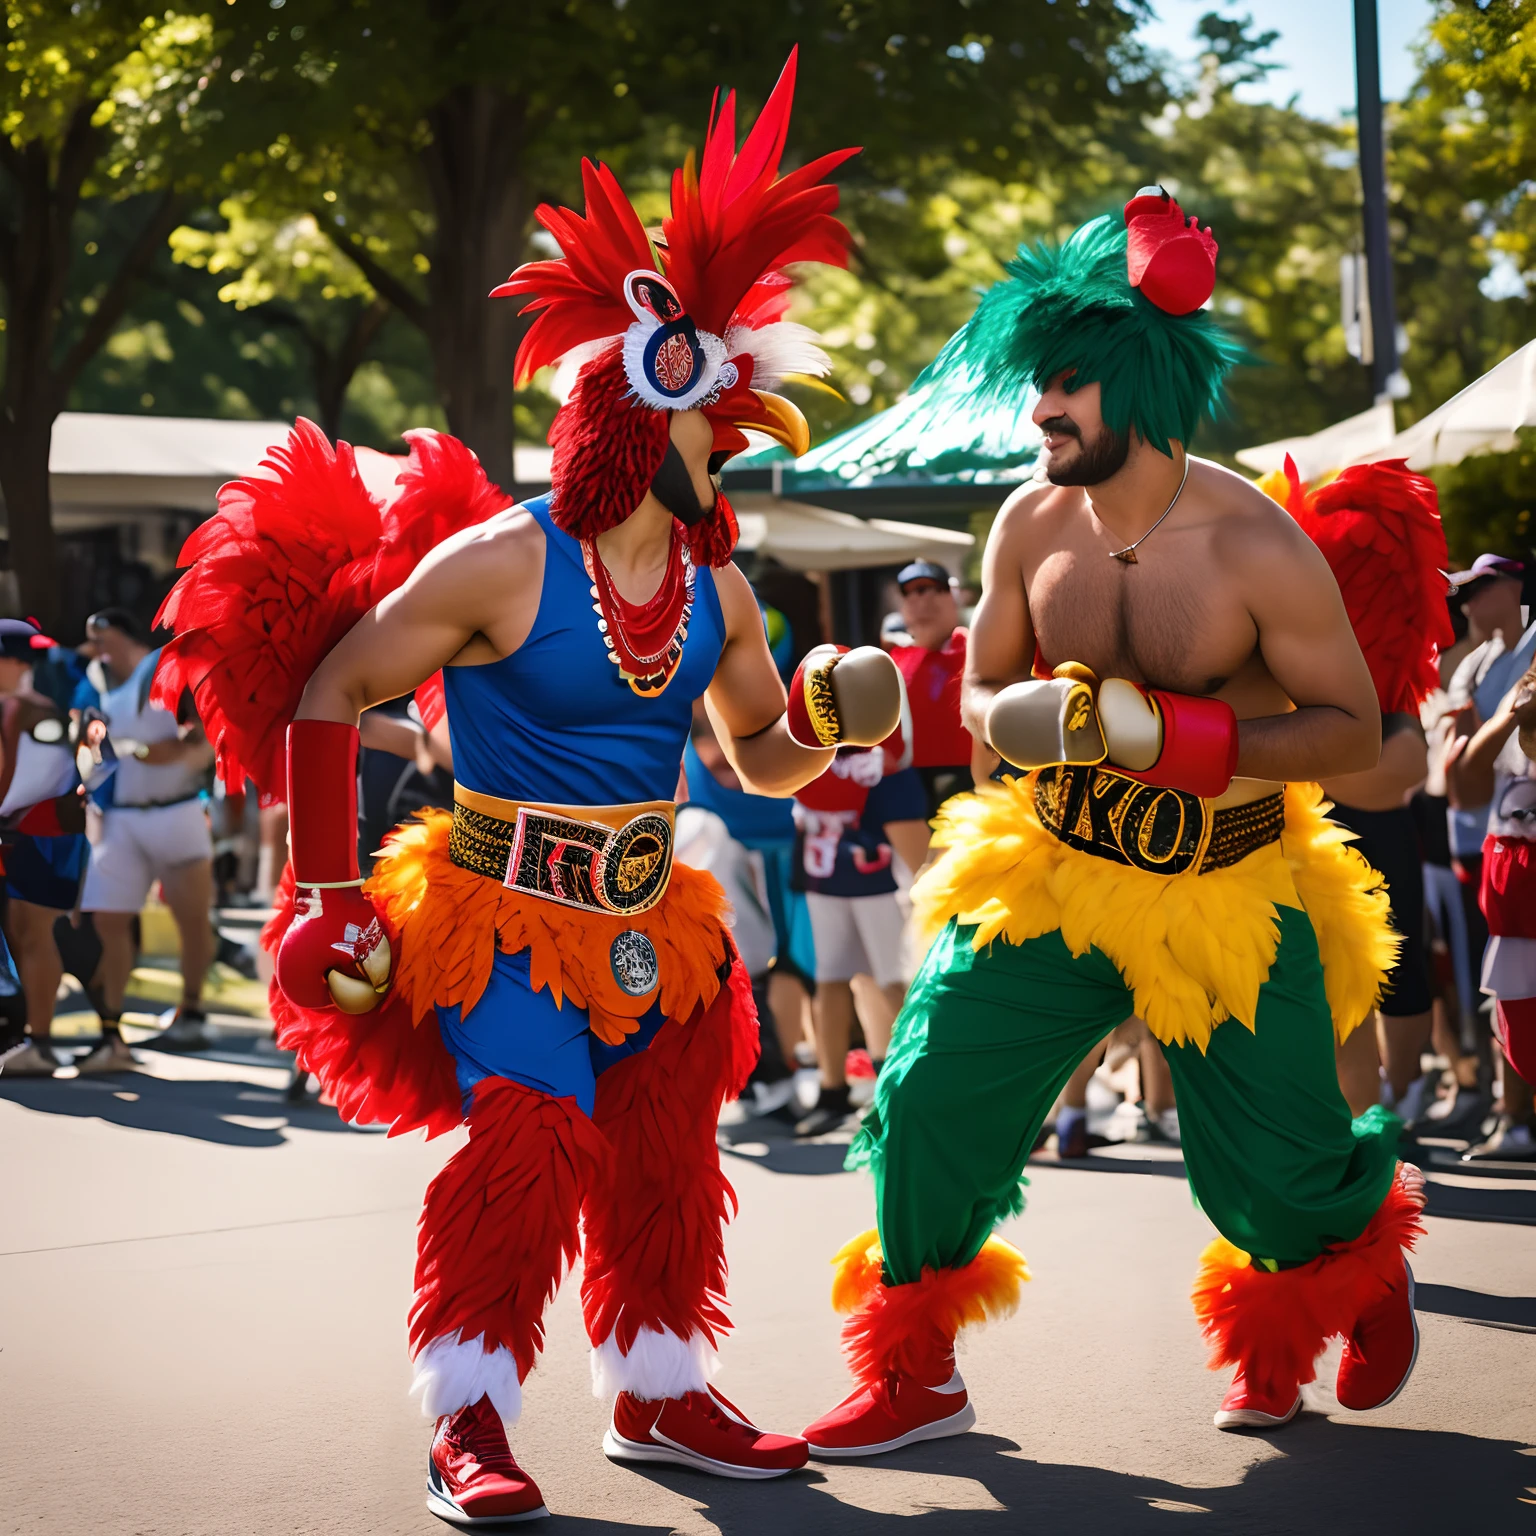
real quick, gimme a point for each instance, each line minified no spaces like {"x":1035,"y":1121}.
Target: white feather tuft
{"x":454,"y":1373}
{"x":1319,"y":1396}
{"x":659,"y":1364}
{"x":778,"y":350}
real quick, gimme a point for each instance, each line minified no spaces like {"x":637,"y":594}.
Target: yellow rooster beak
{"x":781,"y":420}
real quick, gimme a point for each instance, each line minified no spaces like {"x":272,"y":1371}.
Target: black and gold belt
{"x":1147,"y":826}
{"x":610,"y":859}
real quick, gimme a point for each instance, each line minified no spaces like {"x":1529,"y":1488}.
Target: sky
{"x":1315,"y":47}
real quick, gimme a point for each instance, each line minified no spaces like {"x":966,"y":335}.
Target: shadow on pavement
{"x":1514,"y":1312}
{"x":1327,"y":1477}
{"x":201,"y":1109}
{"x":782,"y":1155}
{"x":1460,"y":1203}
{"x":766,"y":1143}
{"x":1164,"y":1167}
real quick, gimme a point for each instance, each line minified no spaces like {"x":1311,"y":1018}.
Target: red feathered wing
{"x":1378,"y":525}
{"x":289,"y":563}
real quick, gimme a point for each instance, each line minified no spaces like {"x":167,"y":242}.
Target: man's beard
{"x":1096,"y":462}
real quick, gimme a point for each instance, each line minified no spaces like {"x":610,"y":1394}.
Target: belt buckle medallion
{"x":587,"y":865}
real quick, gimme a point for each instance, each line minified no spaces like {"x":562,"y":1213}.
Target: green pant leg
{"x":1273,"y":1157}
{"x":979,"y":1054}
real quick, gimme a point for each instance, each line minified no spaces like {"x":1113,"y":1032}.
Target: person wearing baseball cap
{"x":1486,"y":570}
{"x":933,"y":664}
{"x":42,"y":821}
{"x":1490,"y":591}
{"x":1481,"y":694}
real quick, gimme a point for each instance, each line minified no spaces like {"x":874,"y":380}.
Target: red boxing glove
{"x":813,"y":718}
{"x":1199,"y":753}
{"x":1197,"y":739}
{"x":336,"y":952}
{"x":860,"y":707}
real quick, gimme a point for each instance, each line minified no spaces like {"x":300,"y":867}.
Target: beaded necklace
{"x":644,"y":640}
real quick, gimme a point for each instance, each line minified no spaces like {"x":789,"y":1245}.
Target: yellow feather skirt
{"x":1193,"y":948}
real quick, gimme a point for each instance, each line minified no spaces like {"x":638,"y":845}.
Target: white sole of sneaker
{"x":1413,"y":1360}
{"x":445,"y":1509}
{"x":940,"y":1429}
{"x":1252,"y":1418}
{"x":617,"y":1448}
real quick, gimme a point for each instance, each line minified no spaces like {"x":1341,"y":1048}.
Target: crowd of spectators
{"x":819,"y":882}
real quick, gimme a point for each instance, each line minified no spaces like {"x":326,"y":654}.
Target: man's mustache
{"x":1061,"y":426}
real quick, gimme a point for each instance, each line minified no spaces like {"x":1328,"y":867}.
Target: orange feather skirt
{"x":446,"y":924}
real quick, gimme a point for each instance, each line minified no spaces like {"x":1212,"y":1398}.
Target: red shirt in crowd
{"x":939,"y":740}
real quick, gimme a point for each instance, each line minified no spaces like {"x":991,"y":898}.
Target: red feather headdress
{"x":695,"y":321}
{"x":1378,"y":526}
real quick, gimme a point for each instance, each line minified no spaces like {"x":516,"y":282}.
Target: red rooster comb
{"x":693,"y":322}
{"x":1168,"y":257}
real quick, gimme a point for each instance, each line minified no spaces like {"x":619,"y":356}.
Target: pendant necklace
{"x":1127,"y":556}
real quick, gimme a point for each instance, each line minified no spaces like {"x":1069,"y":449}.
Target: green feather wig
{"x":1072,"y":307}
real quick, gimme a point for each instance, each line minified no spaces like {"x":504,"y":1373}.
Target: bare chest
{"x":1170,"y":620}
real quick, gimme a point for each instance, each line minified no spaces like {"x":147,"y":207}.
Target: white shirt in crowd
{"x":1484,"y":676}
{"x":131,"y":718}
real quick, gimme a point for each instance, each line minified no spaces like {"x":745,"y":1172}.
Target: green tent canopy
{"x":931,"y":456}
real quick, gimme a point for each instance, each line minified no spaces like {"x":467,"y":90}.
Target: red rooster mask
{"x":694,"y":321}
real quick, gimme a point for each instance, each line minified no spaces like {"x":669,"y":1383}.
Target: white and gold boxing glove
{"x":1048,"y":722}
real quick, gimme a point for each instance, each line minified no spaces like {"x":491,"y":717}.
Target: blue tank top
{"x":755,"y":821}
{"x":554,"y":722}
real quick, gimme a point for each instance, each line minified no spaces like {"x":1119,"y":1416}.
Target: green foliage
{"x":1486,"y":502}
{"x":144,"y":77}
{"x":264,"y":257}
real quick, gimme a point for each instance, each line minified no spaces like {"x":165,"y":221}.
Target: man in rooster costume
{"x":1163,"y":662}
{"x":532,"y":963}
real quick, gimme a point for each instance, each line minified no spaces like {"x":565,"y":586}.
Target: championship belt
{"x":614,"y":860}
{"x":1148,"y":826}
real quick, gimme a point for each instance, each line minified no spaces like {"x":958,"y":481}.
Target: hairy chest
{"x":1169,"y":622}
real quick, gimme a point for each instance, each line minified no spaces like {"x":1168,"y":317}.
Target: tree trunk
{"x":24,"y":449}
{"x":474,"y":167}
{"x":36,"y":251}
{"x":334,"y":372}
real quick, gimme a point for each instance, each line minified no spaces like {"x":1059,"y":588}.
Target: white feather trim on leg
{"x":454,"y":1373}
{"x":659,"y":1364}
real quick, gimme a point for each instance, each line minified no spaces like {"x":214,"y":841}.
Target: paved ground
{"x":202,"y":1302}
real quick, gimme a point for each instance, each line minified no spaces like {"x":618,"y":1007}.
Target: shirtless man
{"x":1161,"y":852}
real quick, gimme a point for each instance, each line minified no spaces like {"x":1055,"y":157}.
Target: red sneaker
{"x":471,"y":1476}
{"x":702,"y":1431}
{"x":890,"y":1413}
{"x":1379,"y":1355}
{"x":1248,"y":1407}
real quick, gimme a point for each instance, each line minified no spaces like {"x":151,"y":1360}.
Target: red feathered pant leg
{"x":654,"y":1286}
{"x":498,"y":1230}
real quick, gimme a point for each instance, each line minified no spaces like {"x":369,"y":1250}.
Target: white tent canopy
{"x":108,"y":469}
{"x":807,"y":538}
{"x":1483,"y":418}
{"x":1343,"y":443}
{"x":106,"y":464}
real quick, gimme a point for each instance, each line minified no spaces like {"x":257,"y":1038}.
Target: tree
{"x":471,"y":113}
{"x":301,"y":280}
{"x":100,"y":104}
